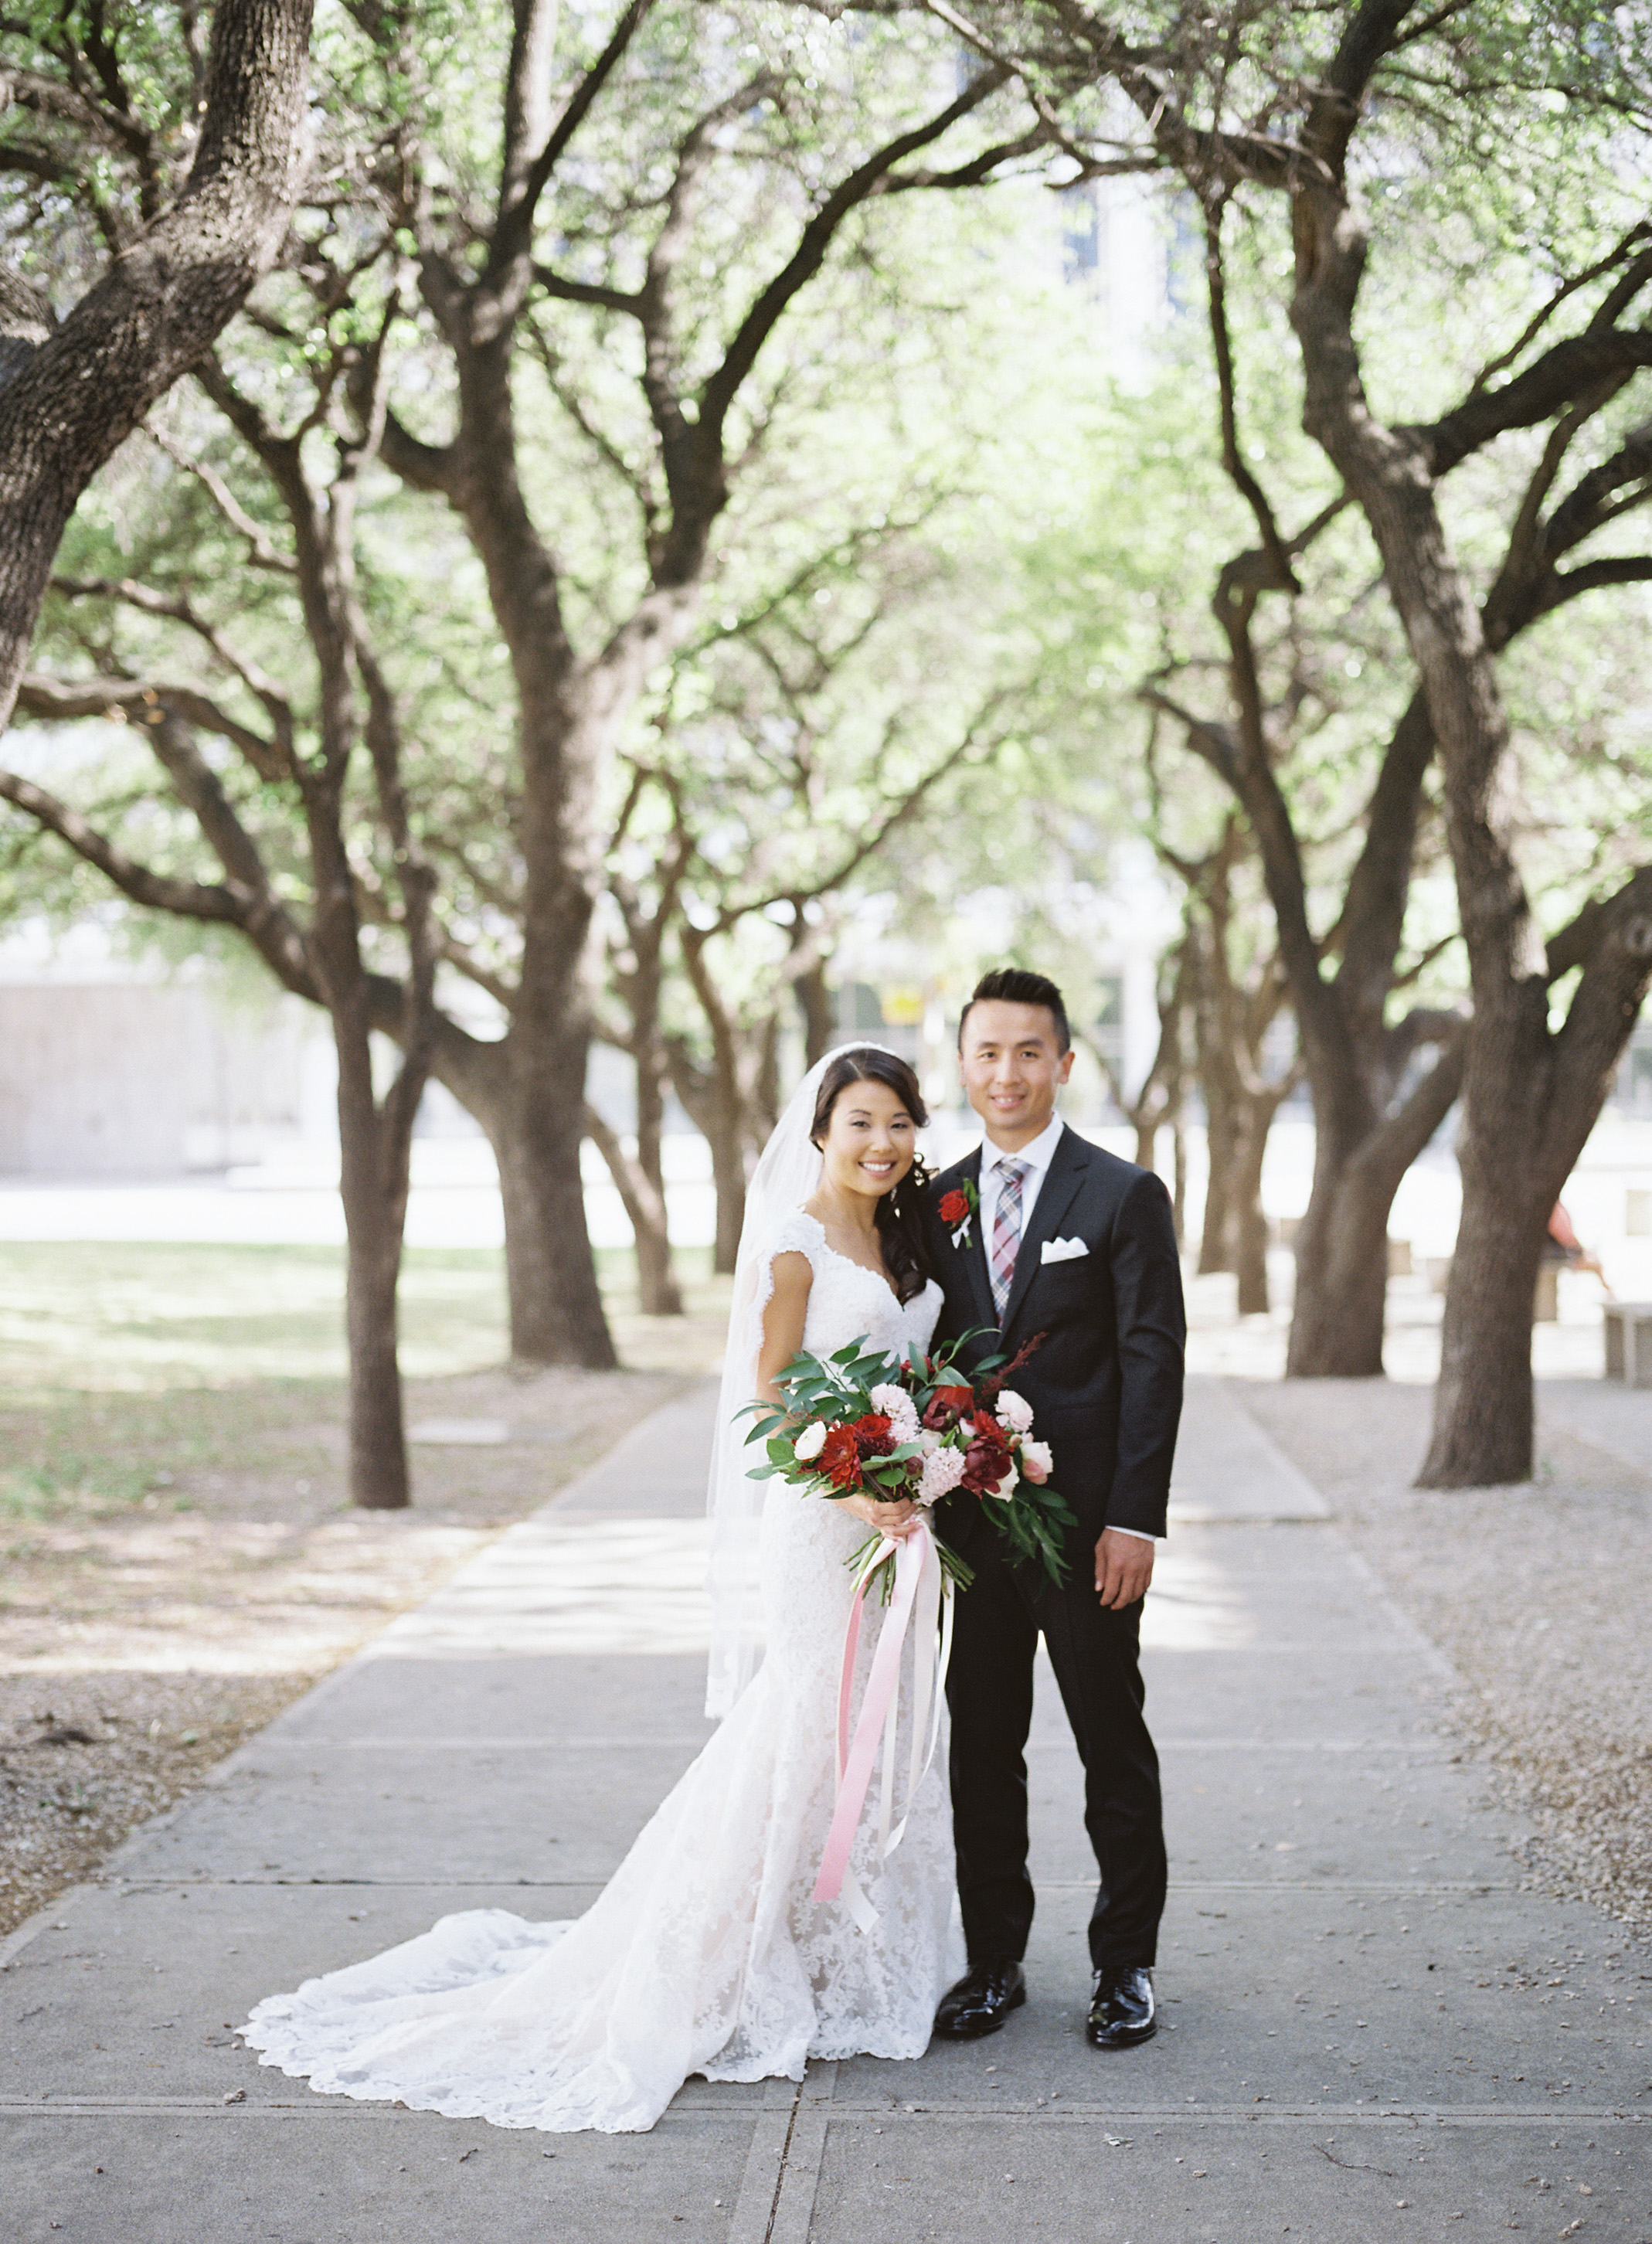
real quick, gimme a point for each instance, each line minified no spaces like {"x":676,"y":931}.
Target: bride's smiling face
{"x":871,"y":1140}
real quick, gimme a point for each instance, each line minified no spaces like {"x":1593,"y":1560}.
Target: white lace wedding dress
{"x":706,"y":1953}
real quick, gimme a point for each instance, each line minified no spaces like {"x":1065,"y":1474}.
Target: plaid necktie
{"x":1006,"y":1239}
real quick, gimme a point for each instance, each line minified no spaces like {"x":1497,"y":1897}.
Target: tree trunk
{"x":71,"y":394}
{"x":375,"y":1147}
{"x":1158,"y":1099}
{"x":1482,"y":1430}
{"x":655,"y":1272}
{"x":1214,"y":1038}
{"x":1342,"y":1274}
{"x":1529,"y":1096}
{"x":763,"y":1107}
{"x":1178,"y":1195}
{"x":1250,"y":1224}
{"x":550,"y":1274}
{"x":644,"y":1202}
{"x":814,"y":1003}
{"x":712,"y":1096}
{"x":657,"y":1292}
{"x":1221,"y":1142}
{"x":550,"y":1271}
{"x":533,"y":1178}
{"x":374,"y":1212}
{"x":728,"y":1174}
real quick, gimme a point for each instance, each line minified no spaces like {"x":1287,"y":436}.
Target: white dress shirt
{"x":1038,"y":1156}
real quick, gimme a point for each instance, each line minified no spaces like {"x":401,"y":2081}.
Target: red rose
{"x":872,"y":1436}
{"x":954,"y":1206}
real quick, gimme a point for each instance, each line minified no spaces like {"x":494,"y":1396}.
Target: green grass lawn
{"x":140,"y":1318}
{"x":125,"y":1368}
{"x":143,"y":1318}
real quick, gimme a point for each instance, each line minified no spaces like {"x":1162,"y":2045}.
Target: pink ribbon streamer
{"x":912,"y":1554}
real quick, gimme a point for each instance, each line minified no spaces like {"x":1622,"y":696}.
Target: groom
{"x":1066,"y":1242}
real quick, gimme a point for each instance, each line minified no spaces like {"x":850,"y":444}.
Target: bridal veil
{"x":787,"y":1173}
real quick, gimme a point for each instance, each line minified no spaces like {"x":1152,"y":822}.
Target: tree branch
{"x":428,"y":468}
{"x":1566,"y":372}
{"x":587,"y":292}
{"x":1541,"y":319}
{"x":1617,"y":967}
{"x":718,"y":393}
{"x":67,"y":405}
{"x":1391,"y":1147}
{"x":518,"y":205}
{"x":1284,"y":577}
{"x":872,"y":840}
{"x":177,"y":607}
{"x":187,"y":899}
{"x":1374,"y":912}
{"x":260,"y":552}
{"x":57,"y":701}
{"x":1577,"y":942}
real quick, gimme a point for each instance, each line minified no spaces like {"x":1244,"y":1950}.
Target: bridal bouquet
{"x":862,"y":1420}
{"x":978,"y":1433}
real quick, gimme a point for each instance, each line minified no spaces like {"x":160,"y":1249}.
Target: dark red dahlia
{"x":847,"y":1447}
{"x":988,"y":1456}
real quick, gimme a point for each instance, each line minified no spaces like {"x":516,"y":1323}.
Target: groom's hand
{"x":1124,"y":1568}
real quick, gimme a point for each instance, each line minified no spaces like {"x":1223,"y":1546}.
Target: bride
{"x":706,"y":1953}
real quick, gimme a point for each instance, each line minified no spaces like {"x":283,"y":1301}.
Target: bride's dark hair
{"x":900,"y":1216}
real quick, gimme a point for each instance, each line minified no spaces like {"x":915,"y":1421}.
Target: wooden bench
{"x":1629,"y":1342}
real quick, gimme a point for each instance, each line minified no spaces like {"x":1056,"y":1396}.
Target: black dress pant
{"x":1095,"y":1654}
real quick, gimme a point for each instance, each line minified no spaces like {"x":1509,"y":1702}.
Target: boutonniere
{"x":957,"y":1210}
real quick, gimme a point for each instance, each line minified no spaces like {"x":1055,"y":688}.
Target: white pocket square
{"x":1063,"y":1250}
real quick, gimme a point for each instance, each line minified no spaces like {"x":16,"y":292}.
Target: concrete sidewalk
{"x":1338,"y":1890}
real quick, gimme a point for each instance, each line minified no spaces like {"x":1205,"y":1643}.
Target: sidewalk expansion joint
{"x":300,"y":1747}
{"x":1442,"y":2115}
{"x":776,"y":2203}
{"x":594,"y":1883}
{"x":1306,"y":1885}
{"x":788,"y":2141}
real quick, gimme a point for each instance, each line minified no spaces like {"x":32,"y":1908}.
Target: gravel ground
{"x":1537,"y":1594}
{"x":86,"y":1758}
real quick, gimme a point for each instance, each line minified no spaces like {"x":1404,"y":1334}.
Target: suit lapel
{"x":974,"y":1255}
{"x":1055,"y":1195}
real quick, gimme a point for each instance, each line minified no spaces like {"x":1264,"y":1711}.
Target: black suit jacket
{"x":1105,"y":1383}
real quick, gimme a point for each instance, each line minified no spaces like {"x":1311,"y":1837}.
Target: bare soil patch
{"x":1538,"y":1595}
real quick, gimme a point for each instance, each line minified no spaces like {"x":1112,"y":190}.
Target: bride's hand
{"x":895,"y":1520}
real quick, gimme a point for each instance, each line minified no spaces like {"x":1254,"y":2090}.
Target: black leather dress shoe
{"x":1121,"y":2012}
{"x":982,"y":2001}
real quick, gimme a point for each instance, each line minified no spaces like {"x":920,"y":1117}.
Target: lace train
{"x":706,"y":1953}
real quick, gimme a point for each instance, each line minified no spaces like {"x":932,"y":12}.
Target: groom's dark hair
{"x":1018,"y":985}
